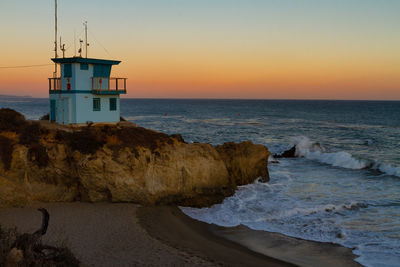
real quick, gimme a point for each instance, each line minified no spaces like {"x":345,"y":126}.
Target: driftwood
{"x":26,"y":242}
{"x":27,"y":250}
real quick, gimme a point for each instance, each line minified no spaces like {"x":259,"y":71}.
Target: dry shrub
{"x":85,"y":141}
{"x":7,"y":238}
{"x":11,"y":120}
{"x":113,"y":140}
{"x":30,"y":137}
{"x":6,"y":149}
{"x":61,"y":255}
{"x":90,"y":139}
{"x":134,"y":137}
{"x":30,"y":134}
{"x":45,"y":117}
{"x":38,"y":154}
{"x":178,"y":137}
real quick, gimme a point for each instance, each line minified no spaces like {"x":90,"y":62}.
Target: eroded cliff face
{"x":40,"y":161}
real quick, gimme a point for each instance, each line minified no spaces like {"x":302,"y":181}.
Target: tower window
{"x":67,"y":70}
{"x":113,"y":104}
{"x":96,"y":104}
{"x":84,"y":66}
{"x":100,"y":70}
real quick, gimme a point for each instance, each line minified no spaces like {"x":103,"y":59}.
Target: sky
{"x":247,"y":49}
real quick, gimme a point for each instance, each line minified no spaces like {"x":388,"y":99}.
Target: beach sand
{"x":100,"y":234}
{"x":106,"y":234}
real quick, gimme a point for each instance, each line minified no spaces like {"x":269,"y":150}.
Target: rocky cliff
{"x":40,"y":161}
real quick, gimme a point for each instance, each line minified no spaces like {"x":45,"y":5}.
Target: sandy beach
{"x":105,"y":234}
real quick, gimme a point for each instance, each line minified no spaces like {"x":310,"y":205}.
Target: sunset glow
{"x":214,"y":49}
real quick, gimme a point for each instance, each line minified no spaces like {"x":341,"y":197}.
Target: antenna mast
{"x":74,"y":43}
{"x":86,"y":43}
{"x":55,"y":37}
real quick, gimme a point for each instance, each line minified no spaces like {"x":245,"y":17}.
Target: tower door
{"x":66,"y":115}
{"x":63,"y":111}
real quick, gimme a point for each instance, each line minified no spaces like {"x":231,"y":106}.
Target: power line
{"x":25,"y":66}
{"x":99,"y":43}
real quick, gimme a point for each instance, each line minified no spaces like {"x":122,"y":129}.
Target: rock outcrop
{"x":40,"y":161}
{"x":290,"y":153}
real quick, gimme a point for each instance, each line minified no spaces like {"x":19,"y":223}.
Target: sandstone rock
{"x":124,"y":163}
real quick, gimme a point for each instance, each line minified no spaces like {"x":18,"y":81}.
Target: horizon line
{"x":205,"y":98}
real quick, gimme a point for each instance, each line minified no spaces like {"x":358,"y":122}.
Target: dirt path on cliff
{"x":100,"y":234}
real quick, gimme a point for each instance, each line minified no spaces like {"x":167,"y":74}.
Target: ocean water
{"x":345,"y":191}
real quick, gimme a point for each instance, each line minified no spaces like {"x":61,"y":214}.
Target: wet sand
{"x":297,"y":251}
{"x":105,"y":234}
{"x":210,"y":241}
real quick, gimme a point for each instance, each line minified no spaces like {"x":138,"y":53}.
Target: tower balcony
{"x":108,"y":85}
{"x":55,"y":84}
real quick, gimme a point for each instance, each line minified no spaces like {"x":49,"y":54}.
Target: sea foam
{"x":387,"y":168}
{"x":314,"y":151}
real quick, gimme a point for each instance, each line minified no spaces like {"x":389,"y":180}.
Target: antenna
{"x":55,"y":37}
{"x":86,"y":43}
{"x":62,"y":48}
{"x":80,"y":47}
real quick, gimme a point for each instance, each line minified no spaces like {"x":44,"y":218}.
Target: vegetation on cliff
{"x":29,"y":135}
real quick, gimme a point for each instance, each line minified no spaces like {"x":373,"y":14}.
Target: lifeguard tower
{"x":84,"y":92}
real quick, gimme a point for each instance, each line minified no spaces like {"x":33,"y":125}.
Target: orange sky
{"x":248,"y":49}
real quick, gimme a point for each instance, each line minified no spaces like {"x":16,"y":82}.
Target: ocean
{"x":345,"y":191}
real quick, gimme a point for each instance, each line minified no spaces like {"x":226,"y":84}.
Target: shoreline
{"x":240,"y":245}
{"x":171,"y":226}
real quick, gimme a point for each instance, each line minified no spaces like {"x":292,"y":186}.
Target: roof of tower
{"x":85,"y":60}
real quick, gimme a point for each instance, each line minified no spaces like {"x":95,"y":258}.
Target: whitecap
{"x":315,"y":151}
{"x":338,"y":159}
{"x":387,"y":169}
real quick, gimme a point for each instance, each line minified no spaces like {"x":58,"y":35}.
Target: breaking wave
{"x":387,"y":168}
{"x":315,"y":151}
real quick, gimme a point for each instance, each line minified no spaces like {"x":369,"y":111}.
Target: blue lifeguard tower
{"x":85,"y":92}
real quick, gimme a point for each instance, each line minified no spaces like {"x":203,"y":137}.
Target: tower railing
{"x":54,"y":84}
{"x":108,"y":85}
